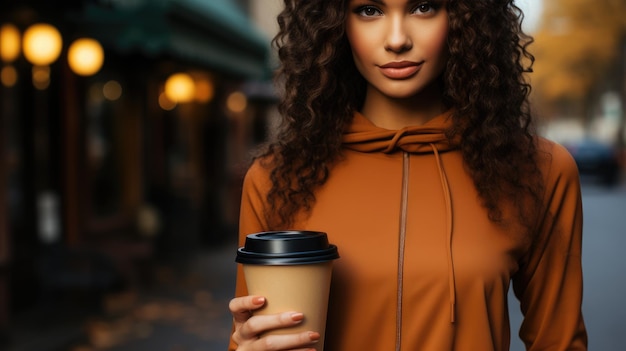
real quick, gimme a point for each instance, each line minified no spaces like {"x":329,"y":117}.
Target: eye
{"x":368,"y":11}
{"x":425,"y":8}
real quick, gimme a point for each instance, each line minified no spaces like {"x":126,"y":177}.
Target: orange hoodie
{"x":422,"y":267}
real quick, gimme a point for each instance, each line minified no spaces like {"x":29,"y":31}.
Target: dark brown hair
{"x":484,"y":84}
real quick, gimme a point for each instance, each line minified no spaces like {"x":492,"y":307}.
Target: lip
{"x":400,"y":69}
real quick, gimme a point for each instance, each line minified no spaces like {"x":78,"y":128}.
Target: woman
{"x":407,"y":137}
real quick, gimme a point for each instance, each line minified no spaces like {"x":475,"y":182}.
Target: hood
{"x":363,"y":136}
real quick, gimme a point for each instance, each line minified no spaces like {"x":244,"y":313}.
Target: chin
{"x":402,"y":95}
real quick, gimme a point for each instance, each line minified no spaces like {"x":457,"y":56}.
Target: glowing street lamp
{"x":85,"y":56}
{"x":237,"y":102}
{"x":180,"y":88}
{"x":9,"y":43}
{"x":42,"y":44}
{"x":9,"y":52}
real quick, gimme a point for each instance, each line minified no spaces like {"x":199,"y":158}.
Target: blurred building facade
{"x":100,"y":172}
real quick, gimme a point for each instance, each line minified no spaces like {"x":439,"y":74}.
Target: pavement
{"x":182,"y":307}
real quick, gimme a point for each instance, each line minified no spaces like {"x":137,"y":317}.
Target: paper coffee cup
{"x":292,"y":270}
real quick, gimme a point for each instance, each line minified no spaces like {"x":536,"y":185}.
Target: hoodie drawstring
{"x":448,"y":202}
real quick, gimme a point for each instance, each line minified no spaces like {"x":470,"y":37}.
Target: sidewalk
{"x":184,"y":308}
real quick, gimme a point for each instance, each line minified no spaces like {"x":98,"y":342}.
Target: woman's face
{"x":399,"y":46}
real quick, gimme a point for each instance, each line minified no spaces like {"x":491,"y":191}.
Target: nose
{"x":398,"y":38}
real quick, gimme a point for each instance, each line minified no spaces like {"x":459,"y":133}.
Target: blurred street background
{"x":125,"y":131}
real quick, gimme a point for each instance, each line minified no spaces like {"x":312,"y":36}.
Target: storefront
{"x":127,"y":162}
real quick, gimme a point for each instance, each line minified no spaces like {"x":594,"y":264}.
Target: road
{"x":604,"y":262}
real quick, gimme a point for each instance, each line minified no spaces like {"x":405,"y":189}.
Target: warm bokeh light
{"x":94,"y":93}
{"x":180,"y":88}
{"x":112,"y":90}
{"x":41,"y":77}
{"x":205,"y":91}
{"x":42,"y":44}
{"x":165,"y":103}
{"x":9,"y":43}
{"x":8,"y":76}
{"x":237,"y":102}
{"x":85,"y":56}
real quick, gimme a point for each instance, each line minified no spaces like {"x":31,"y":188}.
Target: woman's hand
{"x":248,"y":328}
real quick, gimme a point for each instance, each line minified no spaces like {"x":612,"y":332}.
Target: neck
{"x":397,"y":113}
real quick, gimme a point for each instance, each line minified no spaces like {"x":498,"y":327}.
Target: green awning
{"x":213,"y":34}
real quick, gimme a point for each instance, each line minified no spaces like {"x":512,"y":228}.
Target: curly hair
{"x":484,"y":84}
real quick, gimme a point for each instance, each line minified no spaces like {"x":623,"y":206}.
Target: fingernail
{"x":259,"y":300}
{"x":297,"y":317}
{"x":315,"y":337}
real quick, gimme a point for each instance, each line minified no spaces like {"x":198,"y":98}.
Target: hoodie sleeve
{"x":549,"y":284}
{"x":251,"y":217}
{"x":256,"y":185}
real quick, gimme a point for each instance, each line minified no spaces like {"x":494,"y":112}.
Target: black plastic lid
{"x":286,"y":248}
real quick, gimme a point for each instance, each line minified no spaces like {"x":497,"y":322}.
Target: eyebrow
{"x":380,"y":2}
{"x":411,"y":2}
